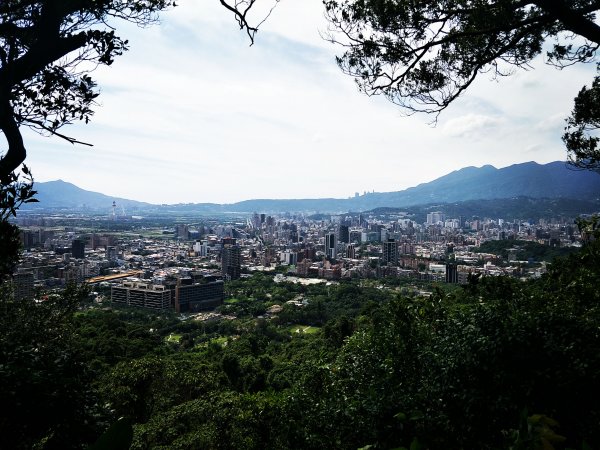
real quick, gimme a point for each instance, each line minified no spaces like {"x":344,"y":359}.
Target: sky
{"x":192,"y":113}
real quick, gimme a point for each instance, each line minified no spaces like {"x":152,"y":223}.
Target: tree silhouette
{"x":48,"y":49}
{"x":580,"y":133}
{"x":424,"y":54}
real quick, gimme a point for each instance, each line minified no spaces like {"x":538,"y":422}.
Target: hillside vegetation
{"x":499,"y":363}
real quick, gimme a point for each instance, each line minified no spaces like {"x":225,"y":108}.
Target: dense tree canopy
{"x":496,"y":364}
{"x":423,"y":54}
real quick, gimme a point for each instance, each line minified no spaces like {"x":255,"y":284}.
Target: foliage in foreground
{"x":45,"y":398}
{"x":498,"y":364}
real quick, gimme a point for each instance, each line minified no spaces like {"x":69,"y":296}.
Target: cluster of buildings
{"x":184,"y":266}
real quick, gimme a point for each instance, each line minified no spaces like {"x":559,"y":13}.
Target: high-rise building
{"x":355,"y":236}
{"x":434,"y":218}
{"x":23,"y":285}
{"x":289,"y":257}
{"x":384,"y":235}
{"x":451,"y":273}
{"x":390,"y":252}
{"x":78,"y":249}
{"x":111,"y":253}
{"x":201,"y":248}
{"x":330,"y":249}
{"x":303,"y":267}
{"x":344,"y":234}
{"x":255,"y":221}
{"x":351,"y":251}
{"x":29,"y":239}
{"x":231,"y":259}
{"x":182,"y":231}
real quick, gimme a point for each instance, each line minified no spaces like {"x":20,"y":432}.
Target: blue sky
{"x":193,"y":114}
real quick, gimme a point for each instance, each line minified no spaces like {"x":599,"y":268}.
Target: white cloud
{"x":193,"y":114}
{"x":553,"y":124}
{"x":535,"y":148}
{"x":470,"y":126}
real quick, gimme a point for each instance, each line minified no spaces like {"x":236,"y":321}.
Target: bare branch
{"x":39,"y":125}
{"x":240,"y":9}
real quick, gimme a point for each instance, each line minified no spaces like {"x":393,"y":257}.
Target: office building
{"x":182,"y":231}
{"x":199,"y":296}
{"x":344,"y":234}
{"x":436,"y":218}
{"x":451,"y":273}
{"x":351,"y":251}
{"x":142,"y":295}
{"x":231,"y":258}
{"x":23,"y":286}
{"x":330,"y":249}
{"x":78,"y":249}
{"x":390,"y":252}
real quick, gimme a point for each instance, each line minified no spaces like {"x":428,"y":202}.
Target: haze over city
{"x":192,"y":113}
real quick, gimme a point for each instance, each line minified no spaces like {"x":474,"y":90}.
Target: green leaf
{"x":415,"y":444}
{"x":416,"y":415}
{"x":118,"y":437}
{"x":400,"y":416}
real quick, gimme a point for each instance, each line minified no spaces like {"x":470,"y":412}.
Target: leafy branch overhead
{"x":47,"y":50}
{"x":580,"y":134}
{"x":421,"y":54}
{"x":424,"y":54}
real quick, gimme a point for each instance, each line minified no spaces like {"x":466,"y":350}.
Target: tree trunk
{"x":16,"y":153}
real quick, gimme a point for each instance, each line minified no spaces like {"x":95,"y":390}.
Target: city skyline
{"x":193,"y":114}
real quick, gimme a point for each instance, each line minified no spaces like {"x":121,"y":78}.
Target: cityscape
{"x":183,"y":266}
{"x":225,"y":241}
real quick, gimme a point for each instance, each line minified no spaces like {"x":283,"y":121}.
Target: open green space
{"x":303,"y":329}
{"x":173,"y":338}
{"x":221,"y":341}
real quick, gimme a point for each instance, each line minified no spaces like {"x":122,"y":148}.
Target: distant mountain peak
{"x":529,"y":179}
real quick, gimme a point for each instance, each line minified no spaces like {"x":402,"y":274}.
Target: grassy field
{"x":173,"y":338}
{"x":222,"y":341}
{"x":303,"y":329}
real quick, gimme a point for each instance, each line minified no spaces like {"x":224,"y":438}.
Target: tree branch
{"x":573,"y":20}
{"x":240,"y":15}
{"x":40,"y":125}
{"x":47,"y":50}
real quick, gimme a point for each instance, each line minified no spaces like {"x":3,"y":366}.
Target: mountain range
{"x":555,"y":180}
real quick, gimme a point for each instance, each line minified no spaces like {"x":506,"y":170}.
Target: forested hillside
{"x":498,"y":363}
